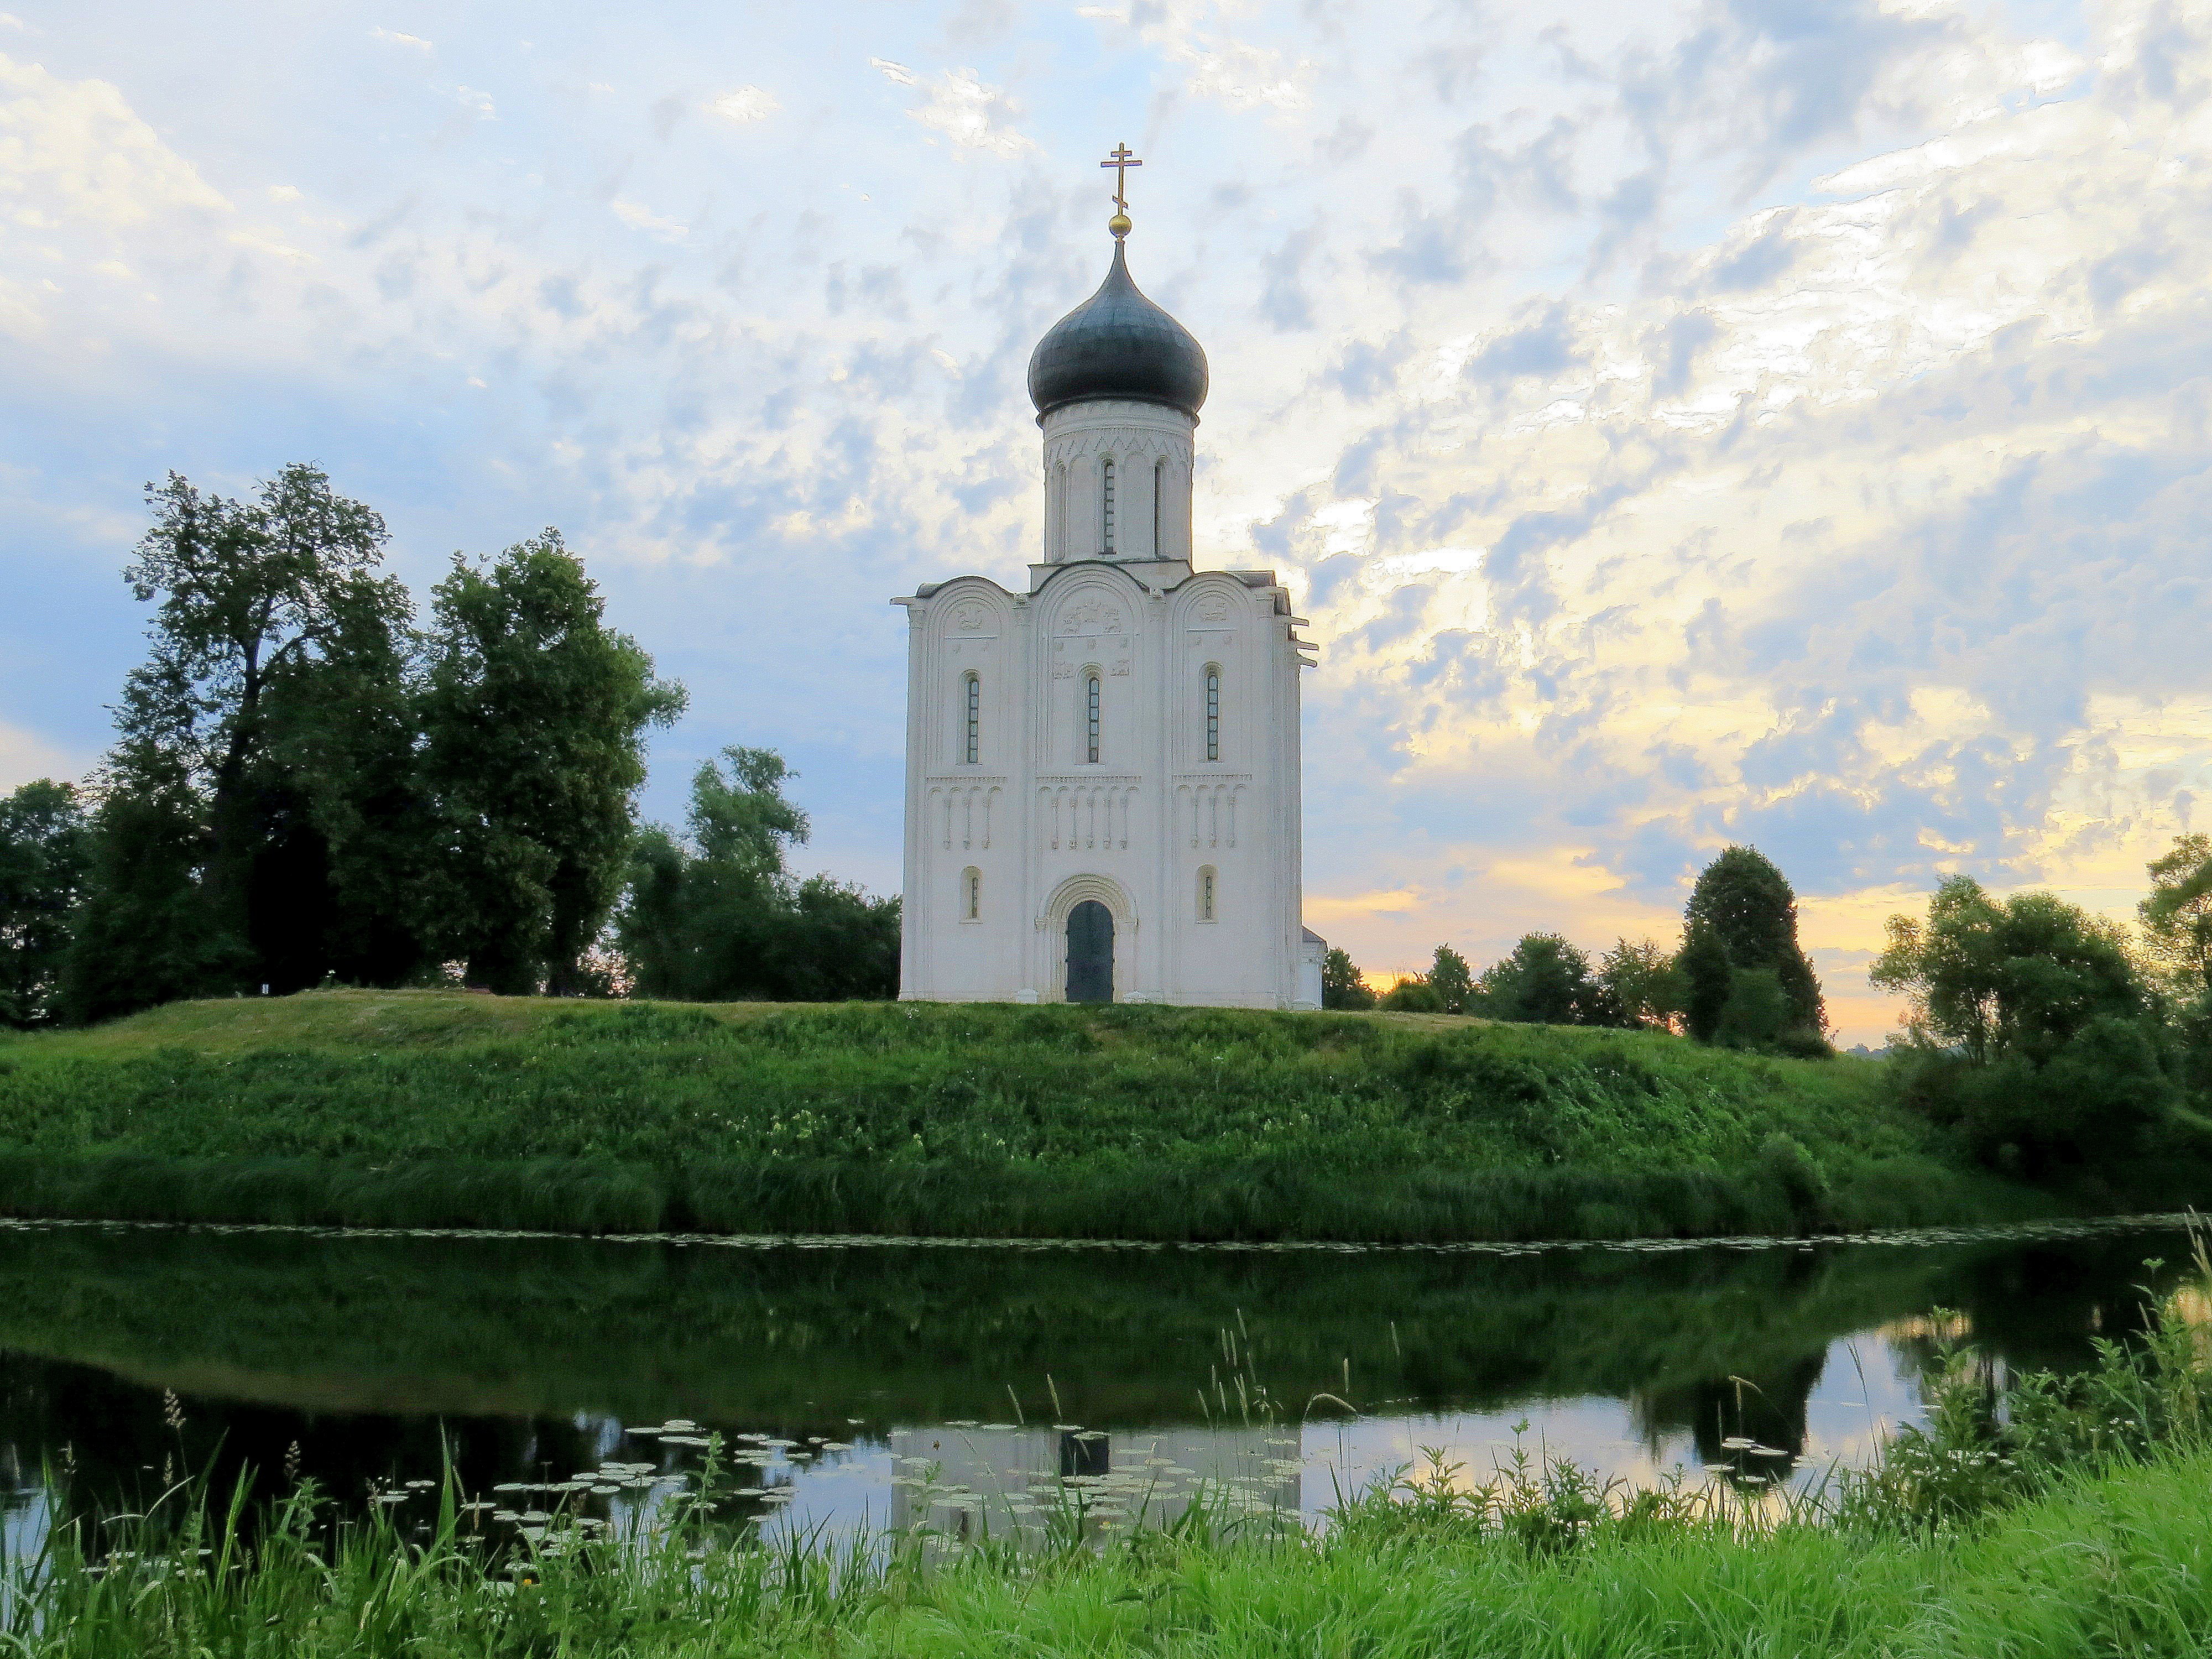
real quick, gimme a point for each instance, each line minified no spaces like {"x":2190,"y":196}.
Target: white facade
{"x":1124,"y":734}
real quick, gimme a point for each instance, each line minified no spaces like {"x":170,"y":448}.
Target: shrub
{"x":1415,"y":996}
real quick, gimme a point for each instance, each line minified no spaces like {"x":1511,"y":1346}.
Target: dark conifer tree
{"x":1742,"y":910}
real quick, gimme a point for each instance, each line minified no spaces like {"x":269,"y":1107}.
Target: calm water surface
{"x":862,"y":1383}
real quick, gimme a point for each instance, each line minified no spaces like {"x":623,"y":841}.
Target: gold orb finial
{"x":1119,"y":224}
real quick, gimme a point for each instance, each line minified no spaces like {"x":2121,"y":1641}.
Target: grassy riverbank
{"x":434,"y":1109}
{"x":2078,"y":1521}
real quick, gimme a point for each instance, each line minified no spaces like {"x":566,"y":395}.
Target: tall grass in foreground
{"x":2070,"y":1516}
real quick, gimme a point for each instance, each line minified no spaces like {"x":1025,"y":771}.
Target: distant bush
{"x":1546,"y":980}
{"x":1414,"y":995}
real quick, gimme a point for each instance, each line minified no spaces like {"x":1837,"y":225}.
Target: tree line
{"x":1738,"y":979}
{"x":2047,"y":1041}
{"x":311,"y":784}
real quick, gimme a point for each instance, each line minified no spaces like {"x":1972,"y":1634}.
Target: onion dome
{"x":1117,"y":344}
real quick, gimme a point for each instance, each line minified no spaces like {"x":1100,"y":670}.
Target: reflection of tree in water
{"x":1768,"y":1407}
{"x":120,"y":1448}
{"x":2042,"y":1307}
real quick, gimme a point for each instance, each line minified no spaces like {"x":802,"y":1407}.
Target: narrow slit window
{"x":1206,"y":894}
{"x":1090,"y":715}
{"x":1159,"y":484}
{"x":1107,"y":498}
{"x":971,"y":693}
{"x":1213,"y":714}
{"x":971,"y":897}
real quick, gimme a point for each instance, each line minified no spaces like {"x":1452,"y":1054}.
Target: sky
{"x":1762,"y":421}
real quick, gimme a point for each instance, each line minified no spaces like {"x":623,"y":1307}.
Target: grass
{"x":2073,"y":1517}
{"x":448,"y":1109}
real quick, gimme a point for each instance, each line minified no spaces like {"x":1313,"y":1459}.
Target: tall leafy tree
{"x":534,"y":722}
{"x":253,"y":744}
{"x":1742,"y":918}
{"x":46,"y":854}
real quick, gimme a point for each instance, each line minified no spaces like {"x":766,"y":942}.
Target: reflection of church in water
{"x":1004,"y":1480}
{"x":1103,"y":773}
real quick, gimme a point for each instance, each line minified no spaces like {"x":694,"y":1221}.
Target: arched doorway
{"x":1091,"y":953}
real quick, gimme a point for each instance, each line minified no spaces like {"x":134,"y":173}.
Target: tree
{"x":1742,"y":916}
{"x":533,"y":731}
{"x":2177,"y":916}
{"x":1451,"y":979}
{"x":838,"y":944}
{"x":1708,"y":981}
{"x":270,"y":618}
{"x":700,"y":918}
{"x":1545,"y":980}
{"x":719,"y":917}
{"x":46,"y":856}
{"x":1644,"y":984}
{"x":2027,"y":1024}
{"x":1342,"y":984}
{"x":145,"y":933}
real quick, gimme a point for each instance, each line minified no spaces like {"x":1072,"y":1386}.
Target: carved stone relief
{"x":1091,"y":617}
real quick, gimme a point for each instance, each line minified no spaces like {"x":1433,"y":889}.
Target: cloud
{"x":393,"y":37}
{"x":1221,"y":62}
{"x":898,"y":73}
{"x":26,"y":757}
{"x":638,"y":216}
{"x":745,"y":105}
{"x":74,"y":151}
{"x":973,"y":115}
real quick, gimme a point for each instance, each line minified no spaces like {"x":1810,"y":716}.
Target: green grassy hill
{"x":450,"y":1109}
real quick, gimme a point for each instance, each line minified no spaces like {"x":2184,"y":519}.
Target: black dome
{"x":1117,"y":344}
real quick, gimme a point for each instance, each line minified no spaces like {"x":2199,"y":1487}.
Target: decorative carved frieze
{"x":961,"y":812}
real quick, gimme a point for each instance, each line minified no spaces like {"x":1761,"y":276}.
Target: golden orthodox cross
{"x":1122,"y":161}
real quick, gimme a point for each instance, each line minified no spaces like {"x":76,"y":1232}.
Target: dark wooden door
{"x":1091,"y":953}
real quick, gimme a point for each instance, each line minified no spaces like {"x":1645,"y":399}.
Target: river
{"x":869,"y":1382}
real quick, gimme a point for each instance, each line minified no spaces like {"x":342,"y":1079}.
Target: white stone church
{"x":1101,"y":773}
